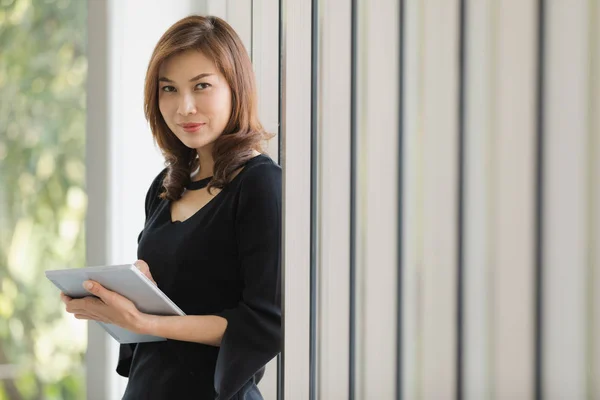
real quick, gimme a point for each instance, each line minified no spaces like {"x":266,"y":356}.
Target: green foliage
{"x":43,"y":69}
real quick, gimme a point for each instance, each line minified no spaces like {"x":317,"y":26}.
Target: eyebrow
{"x":197,"y":77}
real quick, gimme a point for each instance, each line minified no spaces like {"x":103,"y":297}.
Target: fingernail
{"x":88,"y":285}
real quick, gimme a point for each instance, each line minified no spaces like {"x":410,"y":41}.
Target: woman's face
{"x":194,"y":98}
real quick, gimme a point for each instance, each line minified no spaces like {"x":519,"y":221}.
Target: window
{"x":43,"y":70}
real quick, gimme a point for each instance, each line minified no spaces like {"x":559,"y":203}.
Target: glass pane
{"x":43,"y":69}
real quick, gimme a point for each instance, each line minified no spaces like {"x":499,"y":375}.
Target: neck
{"x":206,"y":164}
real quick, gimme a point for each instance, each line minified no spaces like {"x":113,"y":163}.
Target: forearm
{"x":206,"y":329}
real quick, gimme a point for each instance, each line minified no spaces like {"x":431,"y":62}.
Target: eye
{"x":168,"y":89}
{"x":203,"y":85}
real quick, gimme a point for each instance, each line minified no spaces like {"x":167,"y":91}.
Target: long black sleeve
{"x":253,"y":334}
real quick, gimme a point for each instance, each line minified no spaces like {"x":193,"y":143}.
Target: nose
{"x":187,"y":105}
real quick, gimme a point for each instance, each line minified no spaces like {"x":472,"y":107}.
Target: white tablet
{"x":128,"y":281}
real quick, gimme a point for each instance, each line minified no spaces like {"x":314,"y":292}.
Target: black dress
{"x":224,"y":260}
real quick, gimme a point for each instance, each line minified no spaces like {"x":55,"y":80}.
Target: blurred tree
{"x":43,"y":69}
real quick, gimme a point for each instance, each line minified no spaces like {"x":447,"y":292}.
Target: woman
{"x":211,"y":240}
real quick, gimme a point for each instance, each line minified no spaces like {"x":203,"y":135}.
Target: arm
{"x":253,"y":334}
{"x":111,"y":307}
{"x":206,"y":329}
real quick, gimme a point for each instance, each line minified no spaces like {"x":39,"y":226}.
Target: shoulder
{"x":259,"y":192}
{"x":157,"y":182}
{"x":154,"y":191}
{"x":259,"y":183}
{"x":261,"y":172}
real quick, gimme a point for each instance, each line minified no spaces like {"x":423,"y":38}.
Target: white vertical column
{"x":334,"y":201}
{"x":439,"y":115}
{"x":295,"y":129}
{"x":413,"y":199}
{"x":477,"y":241}
{"x":514,"y":199}
{"x":265,"y":50}
{"x":377,"y":199}
{"x":239,"y":16}
{"x":565,"y":200}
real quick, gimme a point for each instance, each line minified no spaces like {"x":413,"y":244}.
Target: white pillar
{"x":377,"y":198}
{"x":566,"y":210}
{"x":514,"y":141}
{"x":334,"y":124}
{"x":295,"y":130}
{"x":478,"y":201}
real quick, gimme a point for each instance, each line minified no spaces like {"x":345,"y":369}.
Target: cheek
{"x":165,"y":108}
{"x":224,"y":107}
{"x":218,"y":104}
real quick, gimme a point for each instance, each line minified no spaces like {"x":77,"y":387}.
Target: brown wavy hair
{"x":244,"y":133}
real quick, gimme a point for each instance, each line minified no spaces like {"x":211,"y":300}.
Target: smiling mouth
{"x":192,"y":127}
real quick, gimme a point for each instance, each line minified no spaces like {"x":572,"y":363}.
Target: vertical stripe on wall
{"x":296,"y":163}
{"x":377,"y":203}
{"x":514,"y":200}
{"x":314,"y":171}
{"x":353,"y":193}
{"x":461,"y":198}
{"x":439,"y":175}
{"x":400,"y":227}
{"x":412,"y":201}
{"x":280,"y":363}
{"x":478,"y":145}
{"x":539,"y":201}
{"x":334,"y":159}
{"x":281,"y":139}
{"x":565,"y":195}
{"x":593,"y":331}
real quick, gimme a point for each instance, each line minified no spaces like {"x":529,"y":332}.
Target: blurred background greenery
{"x":43,"y":69}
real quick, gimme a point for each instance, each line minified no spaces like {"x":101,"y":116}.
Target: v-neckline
{"x":175,"y":222}
{"x":170,"y":202}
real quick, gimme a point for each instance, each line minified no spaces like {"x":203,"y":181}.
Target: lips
{"x":191,"y":126}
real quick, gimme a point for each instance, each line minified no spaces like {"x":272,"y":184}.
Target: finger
{"x":79,"y":314}
{"x":72,"y":305}
{"x":89,"y":306}
{"x":90,"y":317}
{"x":142,"y":266}
{"x":144,"y":269}
{"x":86,"y":305}
{"x":64,"y":298}
{"x":107,"y":296}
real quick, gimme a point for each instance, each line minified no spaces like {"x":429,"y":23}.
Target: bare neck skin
{"x":206,"y":164}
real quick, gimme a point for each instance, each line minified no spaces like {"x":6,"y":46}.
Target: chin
{"x":196,"y":144}
{"x":197,"y":140}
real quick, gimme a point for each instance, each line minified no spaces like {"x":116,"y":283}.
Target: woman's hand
{"x":109,"y":307}
{"x":144,"y":269}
